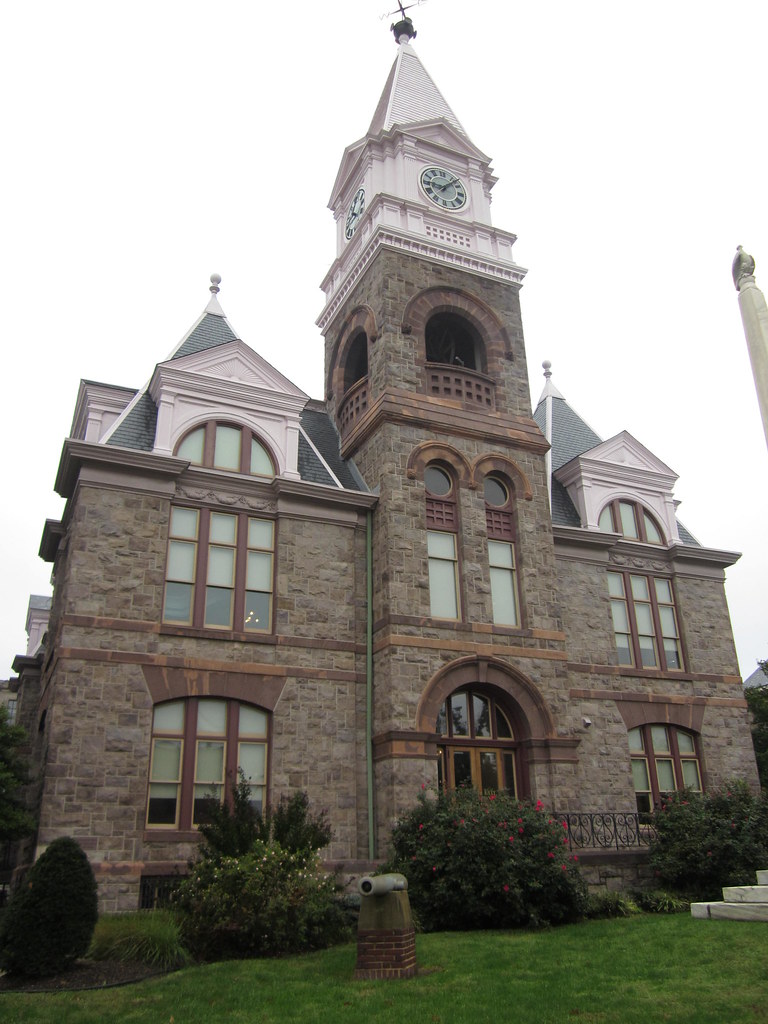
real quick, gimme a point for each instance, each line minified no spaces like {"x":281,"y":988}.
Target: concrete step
{"x":745,"y":893}
{"x":731,"y":911}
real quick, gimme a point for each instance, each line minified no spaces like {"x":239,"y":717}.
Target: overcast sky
{"x":149,"y":144}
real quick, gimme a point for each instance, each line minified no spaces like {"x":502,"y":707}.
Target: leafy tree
{"x":15,"y":821}
{"x":757,"y":699}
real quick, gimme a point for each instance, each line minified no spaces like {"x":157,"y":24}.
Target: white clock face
{"x":444,"y":188}
{"x":355,"y":212}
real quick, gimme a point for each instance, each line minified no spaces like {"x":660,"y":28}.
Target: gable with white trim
{"x":229,"y":383}
{"x":620,"y":468}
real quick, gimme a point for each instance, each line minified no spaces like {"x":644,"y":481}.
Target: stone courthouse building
{"x":415,"y":581}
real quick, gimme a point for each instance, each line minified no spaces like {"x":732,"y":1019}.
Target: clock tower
{"x":426,"y":379}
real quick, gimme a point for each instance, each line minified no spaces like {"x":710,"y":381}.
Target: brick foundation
{"x":386,"y":954}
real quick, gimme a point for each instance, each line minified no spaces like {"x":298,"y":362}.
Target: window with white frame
{"x":228,"y":447}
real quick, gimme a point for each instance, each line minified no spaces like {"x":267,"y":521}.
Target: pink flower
{"x":434,"y":869}
{"x":492,"y":796}
{"x":539,"y":805}
{"x":506,"y":888}
{"x":511,"y":839}
{"x":565,"y":825}
{"x":564,"y":867}
{"x":574,"y":857}
{"x":520,"y":830}
{"x":551,"y":856}
{"x":709,"y":853}
{"x":423,"y":785}
{"x":421,"y":826}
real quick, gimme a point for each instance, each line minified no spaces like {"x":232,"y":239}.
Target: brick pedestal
{"x":386,"y":954}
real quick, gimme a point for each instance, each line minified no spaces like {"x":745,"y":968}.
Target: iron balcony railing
{"x":607,"y":830}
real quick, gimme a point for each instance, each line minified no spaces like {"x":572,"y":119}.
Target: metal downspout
{"x":369,"y":679}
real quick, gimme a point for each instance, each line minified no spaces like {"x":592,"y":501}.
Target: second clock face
{"x":444,"y":188}
{"x":355,"y":213}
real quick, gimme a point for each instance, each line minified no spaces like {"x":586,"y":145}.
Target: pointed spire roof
{"x":410,"y":95}
{"x":571,"y":435}
{"x":135,"y":427}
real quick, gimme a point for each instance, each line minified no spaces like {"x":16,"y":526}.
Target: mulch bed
{"x":84,"y":974}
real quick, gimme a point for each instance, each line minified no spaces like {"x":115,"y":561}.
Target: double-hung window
{"x":442,"y":548}
{"x":220,"y":571}
{"x":645,"y":623}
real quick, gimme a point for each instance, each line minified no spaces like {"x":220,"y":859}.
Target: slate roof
{"x":321,"y":430}
{"x":572,"y":436}
{"x":210,"y":332}
{"x":137,"y":428}
{"x":757,"y":678}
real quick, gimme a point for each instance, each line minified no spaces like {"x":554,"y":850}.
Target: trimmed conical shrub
{"x":50,"y":920}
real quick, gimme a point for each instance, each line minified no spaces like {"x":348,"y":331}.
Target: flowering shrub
{"x":268,"y":901}
{"x":706,"y":841}
{"x":486,"y":861}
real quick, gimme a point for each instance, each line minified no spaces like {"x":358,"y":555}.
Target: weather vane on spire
{"x":403,"y":29}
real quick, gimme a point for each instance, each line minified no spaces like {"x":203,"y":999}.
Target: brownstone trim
{"x":437,"y":451}
{"x":653,"y":673}
{"x":478,"y":650}
{"x":498,"y":463}
{"x":166,"y":629}
{"x":551,"y":750}
{"x":404,"y":744}
{"x":172,"y":684}
{"x":440,"y":416}
{"x":470,"y":627}
{"x":483,"y":318}
{"x":657,"y":699}
{"x":533,"y":721}
{"x":204,"y":665}
{"x":362,"y":318}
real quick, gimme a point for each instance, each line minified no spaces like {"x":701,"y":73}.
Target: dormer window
{"x":632,"y":521}
{"x":227,"y":447}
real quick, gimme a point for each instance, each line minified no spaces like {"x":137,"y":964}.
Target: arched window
{"x":477,"y":746}
{"x":499,"y":519}
{"x":198,"y":747}
{"x":632,"y":520}
{"x":664,"y":759}
{"x":356,"y":364}
{"x":228,"y":447}
{"x":442,"y":548}
{"x":454,"y":341}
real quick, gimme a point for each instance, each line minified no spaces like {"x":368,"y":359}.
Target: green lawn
{"x":625,"y":971}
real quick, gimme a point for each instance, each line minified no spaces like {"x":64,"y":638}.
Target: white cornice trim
{"x":416,"y":245}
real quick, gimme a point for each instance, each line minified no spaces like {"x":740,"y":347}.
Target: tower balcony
{"x":458,"y":383}
{"x":353,"y":406}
